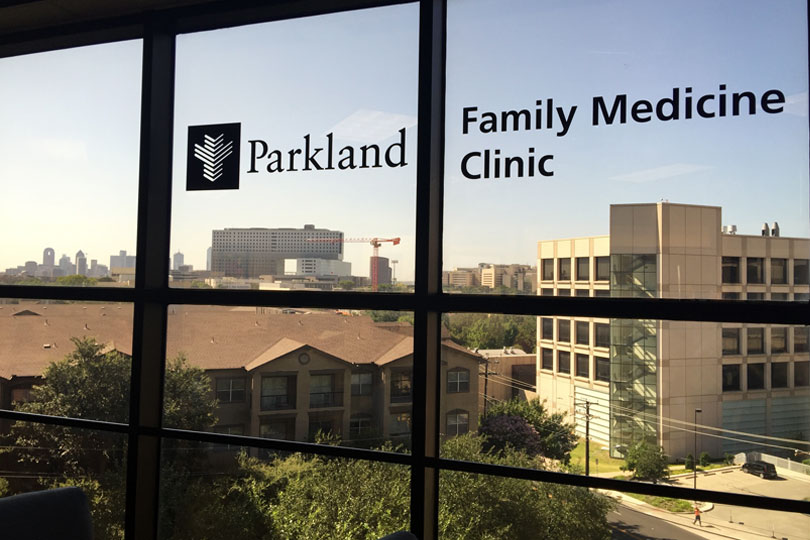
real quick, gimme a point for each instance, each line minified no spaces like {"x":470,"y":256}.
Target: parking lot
{"x":767,"y":523}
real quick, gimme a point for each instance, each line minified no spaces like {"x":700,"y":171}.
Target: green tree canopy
{"x":551,"y":436}
{"x":647,"y":461}
{"x":493,"y":331}
{"x":93,"y":382}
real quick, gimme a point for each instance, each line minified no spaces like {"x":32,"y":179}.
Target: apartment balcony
{"x":325,"y":399}
{"x":277,"y":403}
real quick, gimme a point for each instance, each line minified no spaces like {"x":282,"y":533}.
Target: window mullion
{"x":149,"y":326}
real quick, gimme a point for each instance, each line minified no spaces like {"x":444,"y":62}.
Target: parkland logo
{"x":213,"y":157}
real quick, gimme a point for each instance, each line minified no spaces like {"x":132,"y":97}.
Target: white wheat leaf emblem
{"x":212,"y":154}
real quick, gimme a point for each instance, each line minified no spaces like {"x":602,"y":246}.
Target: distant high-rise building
{"x":250,"y":253}
{"x":177,"y":261}
{"x":65,"y":265}
{"x":122,"y":260}
{"x":48,"y":257}
{"x":383,"y":270}
{"x":81,"y":263}
{"x":208,"y":259}
{"x":31,"y":267}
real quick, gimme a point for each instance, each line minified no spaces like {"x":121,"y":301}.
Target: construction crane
{"x":375,"y":243}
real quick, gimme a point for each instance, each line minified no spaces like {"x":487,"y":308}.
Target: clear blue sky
{"x":69,"y":135}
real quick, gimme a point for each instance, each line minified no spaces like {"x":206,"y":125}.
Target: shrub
{"x":705,"y":459}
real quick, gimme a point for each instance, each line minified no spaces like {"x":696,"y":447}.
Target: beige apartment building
{"x":649,"y":378}
{"x":275,"y":373}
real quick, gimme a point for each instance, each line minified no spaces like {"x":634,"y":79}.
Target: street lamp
{"x":694,"y":456}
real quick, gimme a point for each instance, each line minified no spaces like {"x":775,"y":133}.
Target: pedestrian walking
{"x":697,"y":516}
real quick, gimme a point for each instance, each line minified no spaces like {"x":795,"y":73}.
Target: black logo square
{"x":213,"y":157}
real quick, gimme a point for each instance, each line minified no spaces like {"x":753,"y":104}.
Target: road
{"x":628,"y":524}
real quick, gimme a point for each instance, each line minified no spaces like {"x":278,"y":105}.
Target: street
{"x":629,"y":524}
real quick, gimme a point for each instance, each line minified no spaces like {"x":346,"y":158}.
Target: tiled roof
{"x":211,"y":337}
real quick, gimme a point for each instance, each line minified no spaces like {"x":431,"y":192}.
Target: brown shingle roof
{"x":212,"y":337}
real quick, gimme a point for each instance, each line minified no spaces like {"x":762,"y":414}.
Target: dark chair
{"x":54,"y":514}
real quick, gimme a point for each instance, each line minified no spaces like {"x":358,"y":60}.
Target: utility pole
{"x":587,"y":438}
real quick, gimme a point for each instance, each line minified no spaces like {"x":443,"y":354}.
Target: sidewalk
{"x":713,"y":527}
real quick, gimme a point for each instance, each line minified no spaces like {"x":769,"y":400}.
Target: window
{"x":582,"y":292}
{"x":458,"y":422}
{"x":801,"y":271}
{"x":779,"y":271}
{"x":583,"y":268}
{"x":779,"y":375}
{"x":546,"y":291}
{"x":801,"y":373}
{"x":400,"y":424}
{"x":564,"y":270}
{"x":731,"y":341}
{"x":361,"y":383}
{"x":780,"y":296}
{"x":602,"y":333}
{"x":359,"y":426}
{"x":231,"y":389}
{"x":602,"y":268}
{"x":583,"y":365}
{"x":547,"y":359}
{"x":323,"y":392}
{"x":547,"y":331}
{"x":278,"y":428}
{"x":563,"y":362}
{"x":731,"y":378}
{"x":238,"y":429}
{"x":548,"y":269}
{"x":755,"y":296}
{"x":601,"y":292}
{"x":602,"y":369}
{"x":323,"y":425}
{"x":526,"y":200}
{"x":755,"y":269}
{"x":564,"y":330}
{"x":563,"y":292}
{"x":756,"y":376}
{"x":731,"y":269}
{"x":756,"y":341}
{"x":401,"y":386}
{"x":458,"y":380}
{"x":582,"y":330}
{"x":731,"y":296}
{"x":779,"y":340}
{"x":278,"y":392}
{"x":800,"y":339}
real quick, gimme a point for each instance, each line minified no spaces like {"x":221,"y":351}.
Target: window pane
{"x":316,"y":375}
{"x":779,"y":271}
{"x":547,"y":358}
{"x":564,"y":330}
{"x":756,"y":376}
{"x":66,"y":359}
{"x":583,"y":268}
{"x":583,"y":365}
{"x":271,"y":142}
{"x":756,"y":340}
{"x":731,"y":378}
{"x":779,"y":375}
{"x":731,"y":341}
{"x":267,"y":494}
{"x":779,"y":340}
{"x":583,"y":337}
{"x":69,"y":165}
{"x":594,"y":132}
{"x":563,"y":362}
{"x":38,"y":457}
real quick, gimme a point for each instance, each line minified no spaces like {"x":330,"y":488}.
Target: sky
{"x":69,"y":126}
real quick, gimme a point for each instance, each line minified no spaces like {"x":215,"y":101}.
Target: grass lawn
{"x":606,"y":463}
{"x":665,"y":503}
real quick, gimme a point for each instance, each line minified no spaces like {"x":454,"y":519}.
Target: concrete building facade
{"x":647,"y":378}
{"x":251,"y":252}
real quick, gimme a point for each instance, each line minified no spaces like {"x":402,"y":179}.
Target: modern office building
{"x":122,"y":260}
{"x":249,"y":253}
{"x":178,"y":260}
{"x":513,"y":276}
{"x":382,"y":267}
{"x":656,"y":378}
{"x":322,"y":268}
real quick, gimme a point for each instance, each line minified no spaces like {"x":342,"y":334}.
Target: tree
{"x":93,"y":382}
{"x":705,"y":459}
{"x":551,"y":437}
{"x":689,"y":462}
{"x":76,"y":280}
{"x":647,"y":461}
{"x":346,"y":284}
{"x":493,"y":331}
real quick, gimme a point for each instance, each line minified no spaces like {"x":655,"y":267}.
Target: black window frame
{"x":152,"y":295}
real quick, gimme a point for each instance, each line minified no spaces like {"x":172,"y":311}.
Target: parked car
{"x":760,"y":468}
